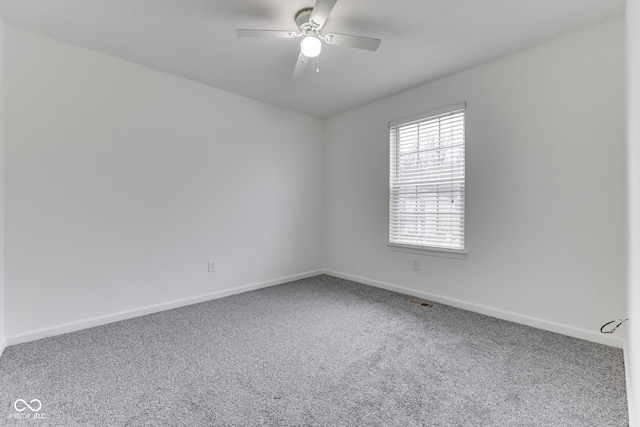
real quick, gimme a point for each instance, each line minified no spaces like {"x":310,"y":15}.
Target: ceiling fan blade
{"x":301,"y":64}
{"x":321,"y":12}
{"x":269,"y":34}
{"x":352,"y":41}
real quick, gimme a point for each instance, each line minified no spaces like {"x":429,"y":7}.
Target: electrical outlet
{"x":212,"y":266}
{"x":416,"y":264}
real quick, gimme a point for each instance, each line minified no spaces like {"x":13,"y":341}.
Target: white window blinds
{"x":427,"y":181}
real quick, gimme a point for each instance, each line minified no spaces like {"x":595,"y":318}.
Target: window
{"x":427,"y":180}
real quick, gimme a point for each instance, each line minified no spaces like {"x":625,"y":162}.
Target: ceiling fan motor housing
{"x":302,"y":20}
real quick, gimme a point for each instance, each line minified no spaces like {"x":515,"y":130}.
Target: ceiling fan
{"x":310,"y":22}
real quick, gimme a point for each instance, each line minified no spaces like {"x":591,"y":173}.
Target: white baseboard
{"x":500,"y":314}
{"x":3,"y":345}
{"x":142,"y":311}
{"x":489,"y":311}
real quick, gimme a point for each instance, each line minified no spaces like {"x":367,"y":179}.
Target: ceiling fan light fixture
{"x":311,"y":47}
{"x":310,"y":22}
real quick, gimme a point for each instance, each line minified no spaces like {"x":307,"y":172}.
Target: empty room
{"x":319,"y":213}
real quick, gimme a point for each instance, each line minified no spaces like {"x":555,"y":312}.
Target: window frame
{"x":456,"y":253}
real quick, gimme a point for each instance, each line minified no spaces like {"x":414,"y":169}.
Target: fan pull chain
{"x":318,"y":64}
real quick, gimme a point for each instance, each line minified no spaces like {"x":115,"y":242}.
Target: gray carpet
{"x":316,"y":352}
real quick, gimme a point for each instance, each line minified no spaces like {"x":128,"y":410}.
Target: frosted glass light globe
{"x":311,"y":47}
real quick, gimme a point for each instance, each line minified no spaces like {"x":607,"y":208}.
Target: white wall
{"x":633,"y":161}
{"x":122,"y":182}
{"x":2,"y":305}
{"x":545,"y":201}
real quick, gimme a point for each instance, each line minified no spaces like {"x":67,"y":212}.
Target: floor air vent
{"x":422,"y":303}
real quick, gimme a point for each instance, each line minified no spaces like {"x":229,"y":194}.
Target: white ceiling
{"x":422,"y":40}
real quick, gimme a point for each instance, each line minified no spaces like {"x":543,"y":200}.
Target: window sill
{"x":444,"y":253}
